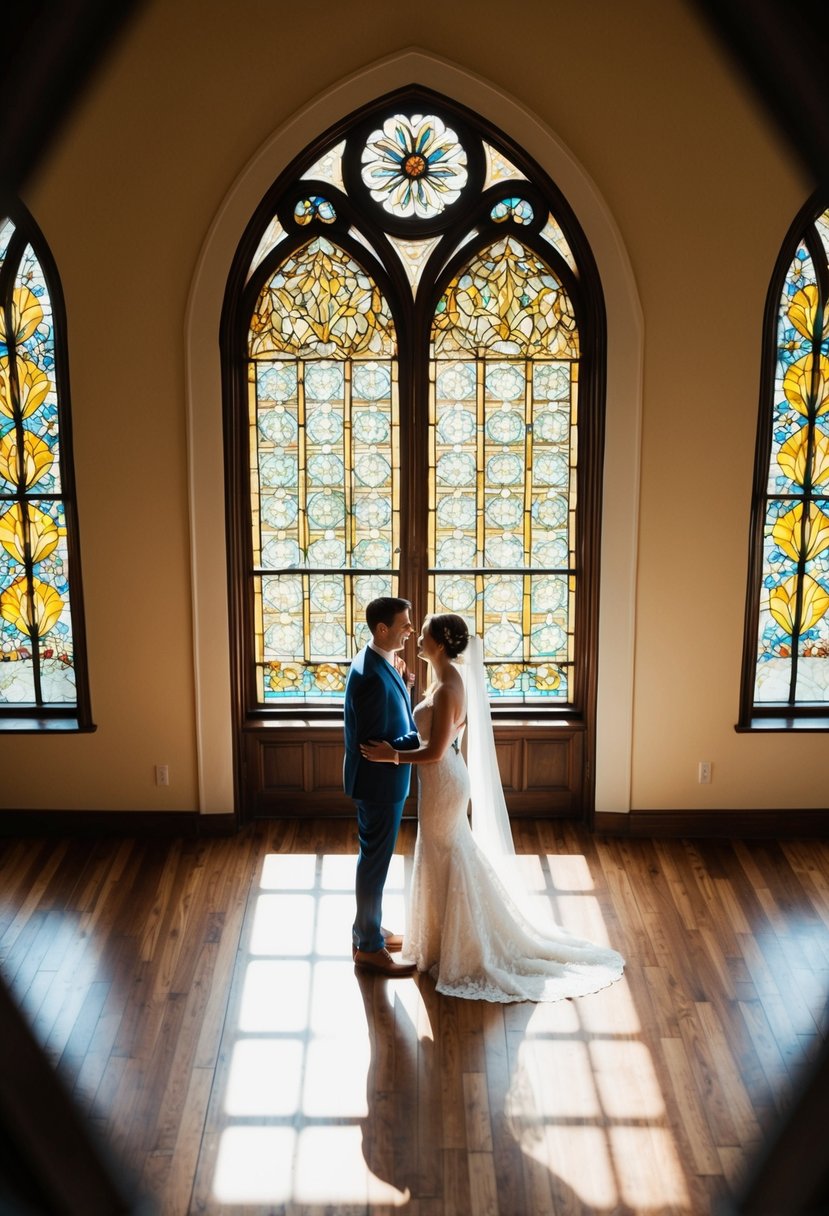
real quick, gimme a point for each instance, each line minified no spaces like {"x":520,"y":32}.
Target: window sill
{"x":784,"y":724}
{"x":44,"y":726}
{"x":513,"y":721}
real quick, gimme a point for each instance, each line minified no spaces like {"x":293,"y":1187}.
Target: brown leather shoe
{"x":392,"y":941}
{"x":382,"y":962}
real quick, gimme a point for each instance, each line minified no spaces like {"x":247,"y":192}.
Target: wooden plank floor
{"x":198,"y":999}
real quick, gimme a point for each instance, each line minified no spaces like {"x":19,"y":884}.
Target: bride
{"x":467,"y":925}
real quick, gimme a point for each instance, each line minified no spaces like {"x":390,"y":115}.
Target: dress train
{"x":463,"y":926}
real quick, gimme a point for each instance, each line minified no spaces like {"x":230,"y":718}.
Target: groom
{"x":377,"y":707}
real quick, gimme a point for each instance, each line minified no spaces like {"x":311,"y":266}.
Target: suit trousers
{"x":377,"y":826}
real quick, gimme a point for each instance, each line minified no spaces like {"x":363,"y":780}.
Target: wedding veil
{"x":490,"y":819}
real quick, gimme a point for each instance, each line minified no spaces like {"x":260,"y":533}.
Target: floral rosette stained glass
{"x":414,"y":166}
{"x":322,"y":380}
{"x":37,"y":662}
{"x":792,"y":666}
{"x":502,"y":488}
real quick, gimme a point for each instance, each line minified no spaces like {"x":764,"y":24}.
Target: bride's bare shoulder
{"x":450,"y":688}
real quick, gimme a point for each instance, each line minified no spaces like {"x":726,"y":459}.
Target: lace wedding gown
{"x":463,"y":927}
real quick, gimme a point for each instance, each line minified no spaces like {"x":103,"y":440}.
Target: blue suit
{"x":376,"y":707}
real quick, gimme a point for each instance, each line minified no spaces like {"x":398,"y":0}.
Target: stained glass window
{"x":790,"y":626}
{"x":502,"y":495}
{"x":40,"y":671}
{"x":324,"y":470}
{"x":413,"y":392}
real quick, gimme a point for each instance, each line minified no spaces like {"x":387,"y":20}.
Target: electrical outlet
{"x":162,"y":774}
{"x":704,"y":772}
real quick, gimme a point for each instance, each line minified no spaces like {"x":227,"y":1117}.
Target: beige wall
{"x":702,"y":193}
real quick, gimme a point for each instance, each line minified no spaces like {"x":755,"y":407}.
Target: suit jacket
{"x":377,"y":706}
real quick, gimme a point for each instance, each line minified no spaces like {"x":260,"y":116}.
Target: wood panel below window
{"x":296,"y":770}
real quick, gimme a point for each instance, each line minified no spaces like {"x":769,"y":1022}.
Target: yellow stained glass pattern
{"x":783,"y":603}
{"x":33,"y":613}
{"x":28,"y":465}
{"x":507,"y":302}
{"x":320,"y":302}
{"x":28,"y":529}
{"x":794,"y":538}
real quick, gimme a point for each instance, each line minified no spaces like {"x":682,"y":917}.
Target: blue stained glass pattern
{"x":504,"y":510}
{"x":457,"y":425}
{"x":516,"y":209}
{"x":313,"y":208}
{"x":504,"y":594}
{"x":324,"y":381}
{"x":325,"y":426}
{"x":505,"y":426}
{"x":456,"y":594}
{"x":372,"y":382}
{"x":279,"y":510}
{"x":456,"y":511}
{"x":371,"y":427}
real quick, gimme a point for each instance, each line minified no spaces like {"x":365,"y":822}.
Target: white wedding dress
{"x":463,"y":926}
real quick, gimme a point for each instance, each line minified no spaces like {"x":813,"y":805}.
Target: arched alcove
{"x":204,"y":405}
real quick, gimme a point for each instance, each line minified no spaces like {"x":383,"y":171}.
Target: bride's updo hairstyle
{"x":450,"y":632}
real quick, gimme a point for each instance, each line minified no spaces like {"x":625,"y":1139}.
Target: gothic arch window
{"x":43,"y":681}
{"x":786,"y":652}
{"x":413,"y":349}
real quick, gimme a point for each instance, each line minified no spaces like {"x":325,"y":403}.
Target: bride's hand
{"x":406,"y":676}
{"x":380,"y":752}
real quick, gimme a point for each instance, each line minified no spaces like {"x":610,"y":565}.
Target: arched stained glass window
{"x":42,"y":674}
{"x":786,"y":669}
{"x":414,"y":347}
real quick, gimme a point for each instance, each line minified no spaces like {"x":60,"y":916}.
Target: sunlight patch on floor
{"x":265,"y":1077}
{"x":275,"y":996}
{"x":255,"y":1165}
{"x":316,"y":1165}
{"x":569,"y":872}
{"x":563,"y":1149}
{"x":313,"y":1036}
{"x":585,"y":1090}
{"x":646,"y":1163}
{"x":626,"y":1079}
{"x":302,"y":1056}
{"x":560,"y":1078}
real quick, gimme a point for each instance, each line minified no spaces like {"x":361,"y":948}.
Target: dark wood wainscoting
{"x":296,"y":769}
